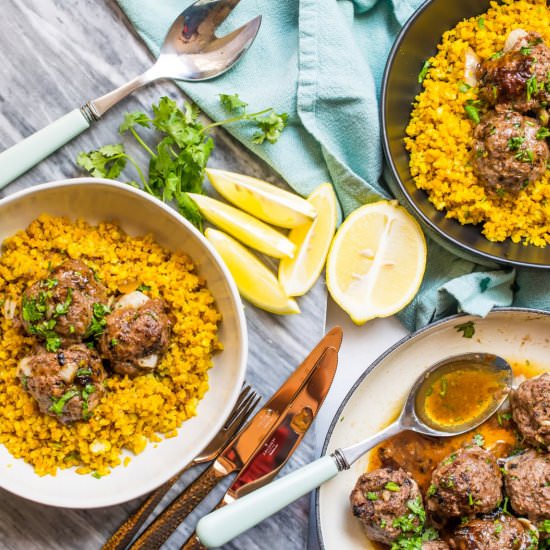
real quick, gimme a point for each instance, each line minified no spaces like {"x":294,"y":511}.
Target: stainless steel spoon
{"x":191,"y":51}
{"x":222,"y":525}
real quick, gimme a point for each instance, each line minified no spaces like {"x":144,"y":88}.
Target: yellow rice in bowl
{"x":440,"y":134}
{"x":133,"y":411}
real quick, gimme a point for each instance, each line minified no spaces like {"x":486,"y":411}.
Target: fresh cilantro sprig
{"x":177,"y":162}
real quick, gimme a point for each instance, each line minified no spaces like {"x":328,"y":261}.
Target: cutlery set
{"x":256,"y":454}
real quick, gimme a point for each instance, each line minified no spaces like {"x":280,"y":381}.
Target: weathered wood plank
{"x":55,"y":56}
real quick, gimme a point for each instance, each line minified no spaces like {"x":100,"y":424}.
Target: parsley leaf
{"x":106,"y":162}
{"x":58,"y":405}
{"x":467,"y":329}
{"x":232,"y":103}
{"x":424,"y":71}
{"x":478,"y":440}
{"x":270,"y":127}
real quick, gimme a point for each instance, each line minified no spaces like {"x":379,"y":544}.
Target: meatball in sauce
{"x":382,"y":496}
{"x":67,"y":384}
{"x":59,"y":310}
{"x":136,"y":334}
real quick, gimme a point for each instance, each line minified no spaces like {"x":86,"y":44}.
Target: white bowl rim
{"x":145,"y":487}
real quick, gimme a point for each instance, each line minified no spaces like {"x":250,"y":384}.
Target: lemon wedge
{"x":312,"y":240}
{"x":261,"y":199}
{"x":255,"y":281}
{"x":376,"y":261}
{"x":244,"y":227}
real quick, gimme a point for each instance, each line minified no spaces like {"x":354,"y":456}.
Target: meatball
{"x":531,"y":410}
{"x":380,"y":497}
{"x":60,"y":309}
{"x":134,"y":337}
{"x":466,"y":482}
{"x":507,"y":155}
{"x":518,"y":77}
{"x":435,"y":545}
{"x":67,"y":384}
{"x":503,"y":532}
{"x":527,"y":483}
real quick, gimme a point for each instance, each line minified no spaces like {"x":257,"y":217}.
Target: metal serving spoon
{"x":191,"y":51}
{"x":222,"y":525}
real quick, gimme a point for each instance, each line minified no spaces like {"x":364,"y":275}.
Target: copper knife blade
{"x":260,"y":426}
{"x":240,"y":450}
{"x":287,"y":434}
{"x":268,"y":461}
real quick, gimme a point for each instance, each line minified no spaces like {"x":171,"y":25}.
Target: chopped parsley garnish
{"x":479,"y":440}
{"x":498,"y":526}
{"x":545,"y":526}
{"x":53,"y":343}
{"x":503,"y":416}
{"x":113,"y":342}
{"x":543,"y":133}
{"x":470,"y":499}
{"x":58,"y":405}
{"x":497,"y":55}
{"x":532,"y":87}
{"x":443,"y":384}
{"x":97,"y":475}
{"x":525,"y":155}
{"x":34,"y":309}
{"x":425,"y":68}
{"x":98,"y":320}
{"x":62,"y":309}
{"x":84,"y":372}
{"x":481,"y":22}
{"x":372,"y":496}
{"x":525,"y":50}
{"x":86,"y":392}
{"x":467,"y":329}
{"x":514,"y":143}
{"x":472,"y":113}
{"x":449,"y":460}
{"x":463,"y":87}
{"x":392,"y":486}
{"x":432,"y":489}
{"x":49,"y":283}
{"x":143,"y":287}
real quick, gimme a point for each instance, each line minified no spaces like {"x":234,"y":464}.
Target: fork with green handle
{"x":191,"y":51}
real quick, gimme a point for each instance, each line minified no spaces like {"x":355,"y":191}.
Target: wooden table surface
{"x":55,"y":56}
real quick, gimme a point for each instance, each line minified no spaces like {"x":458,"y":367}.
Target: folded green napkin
{"x":322,"y":61}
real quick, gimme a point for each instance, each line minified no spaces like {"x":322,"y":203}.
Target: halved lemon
{"x":244,"y":227}
{"x":376,"y":261}
{"x":261,"y":199}
{"x":312,"y":240}
{"x":255,"y":281}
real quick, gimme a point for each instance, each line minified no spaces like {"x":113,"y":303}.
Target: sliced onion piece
{"x":148,"y":362}
{"x":68,"y":371}
{"x":9,"y":308}
{"x":133,"y":299}
{"x":513,"y":38}
{"x":471,"y":64}
{"x":24,"y":367}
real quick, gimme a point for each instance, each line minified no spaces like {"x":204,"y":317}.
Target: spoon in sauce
{"x":450,"y":398}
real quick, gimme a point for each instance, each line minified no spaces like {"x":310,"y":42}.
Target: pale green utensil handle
{"x":24,"y":155}
{"x":226,"y":523}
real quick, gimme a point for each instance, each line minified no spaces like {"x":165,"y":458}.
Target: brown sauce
{"x":419,"y":454}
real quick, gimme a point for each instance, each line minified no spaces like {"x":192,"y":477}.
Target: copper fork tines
{"x":246,"y":403}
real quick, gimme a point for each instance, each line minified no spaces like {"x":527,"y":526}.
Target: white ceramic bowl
{"x":377,"y":397}
{"x":137,"y":213}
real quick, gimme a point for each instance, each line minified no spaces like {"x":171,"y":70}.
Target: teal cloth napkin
{"x":322,"y":61}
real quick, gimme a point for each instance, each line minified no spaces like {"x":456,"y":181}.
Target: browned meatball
{"x":380,"y":497}
{"x":509,"y":152}
{"x":67,"y":384}
{"x":60,"y":309}
{"x":466,"y":482}
{"x":435,"y":545}
{"x":527,"y":483}
{"x":503,"y":532}
{"x":531,"y":410}
{"x":135,"y":337}
{"x":519,"y":77}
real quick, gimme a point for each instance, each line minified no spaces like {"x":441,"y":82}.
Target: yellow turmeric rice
{"x":440,"y":134}
{"x":132,"y":411}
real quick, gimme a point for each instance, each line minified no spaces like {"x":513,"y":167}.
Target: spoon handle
{"x":226,"y":523}
{"x":24,"y":155}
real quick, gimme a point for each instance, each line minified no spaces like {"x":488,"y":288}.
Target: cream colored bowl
{"x":518,"y":335}
{"x":96,"y":200}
